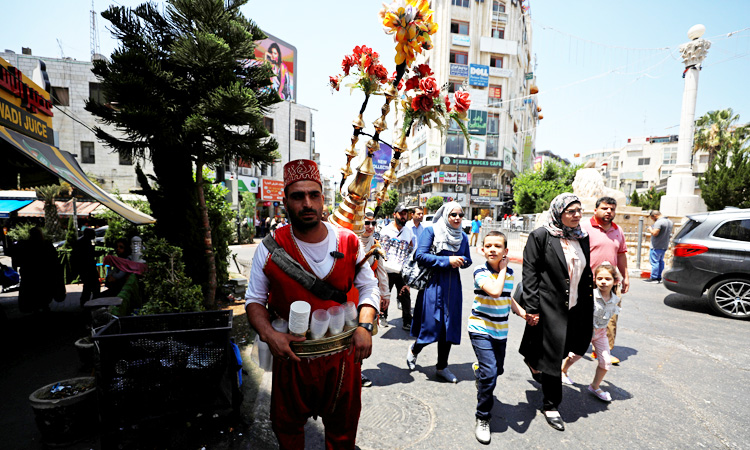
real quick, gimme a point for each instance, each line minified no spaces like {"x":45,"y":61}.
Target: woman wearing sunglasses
{"x":437,"y":313}
{"x":558,"y":298}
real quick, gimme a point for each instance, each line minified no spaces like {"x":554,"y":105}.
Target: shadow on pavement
{"x":690,"y":304}
{"x":516,"y":417}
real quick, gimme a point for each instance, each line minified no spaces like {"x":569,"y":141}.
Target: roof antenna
{"x":94,"y":35}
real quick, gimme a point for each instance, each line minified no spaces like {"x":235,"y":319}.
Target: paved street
{"x":680,"y":385}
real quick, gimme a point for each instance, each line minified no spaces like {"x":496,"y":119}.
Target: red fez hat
{"x":301,"y":170}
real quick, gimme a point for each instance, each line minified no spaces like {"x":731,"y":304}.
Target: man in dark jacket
{"x":84,"y":263}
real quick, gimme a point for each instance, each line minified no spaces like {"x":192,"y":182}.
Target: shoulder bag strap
{"x":294,"y":269}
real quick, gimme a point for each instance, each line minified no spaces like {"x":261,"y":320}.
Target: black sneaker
{"x":366,"y":382}
{"x":406,"y":327}
{"x":652,"y":280}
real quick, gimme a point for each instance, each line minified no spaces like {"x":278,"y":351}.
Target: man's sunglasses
{"x":461,"y":215}
{"x":371,"y":222}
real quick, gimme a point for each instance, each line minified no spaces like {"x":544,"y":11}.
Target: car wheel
{"x":731,"y":298}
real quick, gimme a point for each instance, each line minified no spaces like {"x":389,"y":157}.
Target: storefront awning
{"x":56,"y":163}
{"x":64,"y":209}
{"x":8,"y":206}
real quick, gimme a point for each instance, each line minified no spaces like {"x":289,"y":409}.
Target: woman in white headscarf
{"x":437,"y":314}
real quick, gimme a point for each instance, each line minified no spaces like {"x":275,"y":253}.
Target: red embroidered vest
{"x":284,"y":290}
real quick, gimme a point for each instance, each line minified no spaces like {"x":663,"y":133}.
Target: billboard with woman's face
{"x":283,"y":58}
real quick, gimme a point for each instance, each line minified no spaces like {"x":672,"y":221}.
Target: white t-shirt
{"x":318,"y":257}
{"x":398,"y":245}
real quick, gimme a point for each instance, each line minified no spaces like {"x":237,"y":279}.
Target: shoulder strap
{"x":294,"y":269}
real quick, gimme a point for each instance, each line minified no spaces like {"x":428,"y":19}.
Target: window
{"x":498,"y":7}
{"x":454,"y":86}
{"x":495,"y":97}
{"x":418,"y":153}
{"x":493,"y":143}
{"x":736,"y":230}
{"x":60,"y":96}
{"x":126,"y":160}
{"x":641,"y":184}
{"x":459,"y":27}
{"x":497,"y":32}
{"x":665,"y":174}
{"x":300,"y":130}
{"x":455,"y":144}
{"x":268,"y":123}
{"x":96,"y":94}
{"x":496,"y":61}
{"x":266,"y":170}
{"x":493,"y":123}
{"x":88,"y":155}
{"x":703,"y":159}
{"x":644,"y":161}
{"x":459,"y":58}
{"x":462,"y":3}
{"x":670,"y":155}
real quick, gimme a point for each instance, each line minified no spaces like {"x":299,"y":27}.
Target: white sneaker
{"x":411,"y":358}
{"x":482,"y":431}
{"x":447,"y":375}
{"x":566,"y":379}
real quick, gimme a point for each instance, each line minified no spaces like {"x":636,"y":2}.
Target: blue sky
{"x":607,"y":71}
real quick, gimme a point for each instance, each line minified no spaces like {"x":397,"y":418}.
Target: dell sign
{"x":479,"y":75}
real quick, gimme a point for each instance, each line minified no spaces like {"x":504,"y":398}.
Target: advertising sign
{"x":489,"y":192}
{"x":462,"y":40}
{"x":447,"y":197}
{"x":477,"y":148}
{"x":507,"y":157}
{"x":448,"y":160}
{"x":527,"y":152}
{"x":381,"y":161}
{"x":459,"y":70}
{"x":479,"y":75}
{"x":529,"y":75}
{"x":24,"y":105}
{"x":537,"y":164}
{"x":500,"y":72}
{"x":247,"y":184}
{"x":478,"y":98}
{"x":477,"y":122}
{"x":271,"y":190}
{"x":446,"y":177}
{"x":283,"y":60}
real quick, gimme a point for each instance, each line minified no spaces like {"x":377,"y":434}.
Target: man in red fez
{"x":328,"y":386}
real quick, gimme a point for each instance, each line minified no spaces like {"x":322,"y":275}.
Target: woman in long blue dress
{"x":437,"y":314}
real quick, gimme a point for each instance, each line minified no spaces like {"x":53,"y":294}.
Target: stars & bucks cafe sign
{"x":23,"y":107}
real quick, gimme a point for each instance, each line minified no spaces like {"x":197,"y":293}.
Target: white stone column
{"x":680,"y":198}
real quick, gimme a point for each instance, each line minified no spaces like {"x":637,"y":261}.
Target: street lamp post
{"x":680,"y":198}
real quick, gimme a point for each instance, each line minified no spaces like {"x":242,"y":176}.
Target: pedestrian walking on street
{"x":660,"y":233}
{"x":607,"y":242}
{"x":398,"y":242}
{"x":444,"y":247}
{"x":605,"y":306}
{"x":476,"y":226}
{"x":488,"y":325}
{"x":558,"y":293}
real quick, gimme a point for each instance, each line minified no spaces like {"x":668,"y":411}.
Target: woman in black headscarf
{"x":41,"y":273}
{"x":558,"y":297}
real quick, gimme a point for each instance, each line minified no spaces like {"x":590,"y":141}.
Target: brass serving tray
{"x":323,"y":346}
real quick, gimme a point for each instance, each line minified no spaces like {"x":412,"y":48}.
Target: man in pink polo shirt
{"x":607,"y":243}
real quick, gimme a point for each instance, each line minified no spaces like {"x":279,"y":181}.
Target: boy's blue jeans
{"x":491,"y":357}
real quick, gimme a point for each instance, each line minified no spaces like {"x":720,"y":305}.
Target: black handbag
{"x":415,"y":275}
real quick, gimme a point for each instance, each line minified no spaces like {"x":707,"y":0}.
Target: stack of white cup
{"x":319,"y":324}
{"x":351,"y":315}
{"x":299,"y":318}
{"x":336,"y":325}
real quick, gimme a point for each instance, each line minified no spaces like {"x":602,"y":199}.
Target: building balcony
{"x":500,"y":17}
{"x":503,"y":46}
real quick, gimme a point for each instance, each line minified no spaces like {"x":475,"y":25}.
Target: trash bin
{"x":154,"y":365}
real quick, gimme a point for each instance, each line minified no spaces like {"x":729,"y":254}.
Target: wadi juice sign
{"x":24,"y":106}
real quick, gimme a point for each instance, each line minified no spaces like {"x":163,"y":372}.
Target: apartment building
{"x":483,"y":47}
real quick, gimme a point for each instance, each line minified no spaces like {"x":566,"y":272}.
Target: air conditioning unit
{"x":245,"y":171}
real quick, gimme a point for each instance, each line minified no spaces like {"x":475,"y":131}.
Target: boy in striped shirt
{"x":488,"y":324}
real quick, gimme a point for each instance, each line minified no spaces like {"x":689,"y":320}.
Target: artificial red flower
{"x":334,"y":81}
{"x":380,"y":72}
{"x":347,"y":63}
{"x":412,"y":83}
{"x":462,"y":101}
{"x":422,"y":103}
{"x":424,"y":70}
{"x":447,"y":104}
{"x":429,"y":86}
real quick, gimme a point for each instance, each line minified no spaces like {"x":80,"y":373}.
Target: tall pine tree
{"x":726,"y":181}
{"x":173,"y":87}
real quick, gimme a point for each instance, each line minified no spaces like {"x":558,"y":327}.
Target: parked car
{"x":465,"y":223}
{"x":712,"y":253}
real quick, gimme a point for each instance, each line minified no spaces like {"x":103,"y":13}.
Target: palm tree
{"x":51,"y":219}
{"x":716,"y":129}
